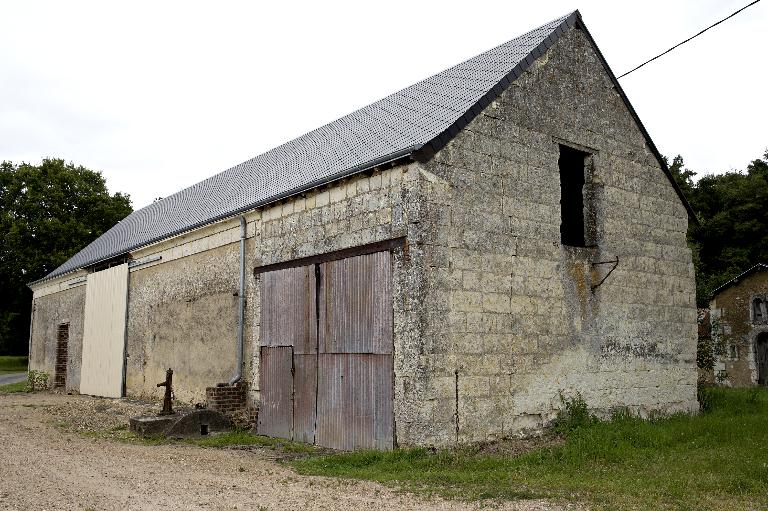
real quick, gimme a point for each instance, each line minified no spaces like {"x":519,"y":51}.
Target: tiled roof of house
{"x":739,"y":277}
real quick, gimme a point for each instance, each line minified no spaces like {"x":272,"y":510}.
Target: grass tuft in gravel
{"x":715,"y":460}
{"x":12,"y":388}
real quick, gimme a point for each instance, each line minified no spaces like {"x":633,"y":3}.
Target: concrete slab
{"x":182,"y":424}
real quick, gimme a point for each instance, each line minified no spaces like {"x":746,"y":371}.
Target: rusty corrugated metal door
{"x":288,"y":311}
{"x":288,"y":380}
{"x":106,"y":295}
{"x":354,"y":401}
{"x":355,"y":369}
{"x":276,"y":389}
{"x":356,"y":305}
{"x":304,"y":397}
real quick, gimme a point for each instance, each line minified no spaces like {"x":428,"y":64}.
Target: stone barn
{"x":739,"y":329}
{"x":440,"y":266}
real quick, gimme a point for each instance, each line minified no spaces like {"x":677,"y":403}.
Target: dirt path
{"x":5,"y":379}
{"x":43,"y":468}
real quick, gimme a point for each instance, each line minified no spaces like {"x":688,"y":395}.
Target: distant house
{"x":437,"y":267}
{"x":739,"y":318}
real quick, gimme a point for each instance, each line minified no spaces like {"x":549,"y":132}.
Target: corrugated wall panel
{"x":356,"y":307}
{"x":304,"y":397}
{"x":288,"y":312}
{"x":106,"y":296}
{"x":355,"y":401}
{"x":276,"y":384}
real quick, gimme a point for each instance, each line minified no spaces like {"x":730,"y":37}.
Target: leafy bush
{"x":37,"y":380}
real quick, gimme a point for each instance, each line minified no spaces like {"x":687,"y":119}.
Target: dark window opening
{"x":572,"y":179}
{"x":203,"y":429}
{"x":759,"y":313}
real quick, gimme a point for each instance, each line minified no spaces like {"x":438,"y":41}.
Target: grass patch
{"x":12,"y":364}
{"x":715,"y":460}
{"x":14,"y":387}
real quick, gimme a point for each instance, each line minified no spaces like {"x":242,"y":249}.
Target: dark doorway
{"x":761,"y":358}
{"x":572,"y":178}
{"x":62,"y":340}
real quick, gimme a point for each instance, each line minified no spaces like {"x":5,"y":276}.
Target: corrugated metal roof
{"x":390,"y":128}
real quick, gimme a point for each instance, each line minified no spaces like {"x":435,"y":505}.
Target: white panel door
{"x":106,"y":295}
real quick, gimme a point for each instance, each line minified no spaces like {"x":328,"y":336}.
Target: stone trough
{"x":191,"y":423}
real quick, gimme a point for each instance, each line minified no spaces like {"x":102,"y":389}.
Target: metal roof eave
{"x":397,"y":155}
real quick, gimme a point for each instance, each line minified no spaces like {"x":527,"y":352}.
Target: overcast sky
{"x":160,"y":95}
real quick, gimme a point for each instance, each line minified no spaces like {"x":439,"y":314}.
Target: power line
{"x":690,"y":38}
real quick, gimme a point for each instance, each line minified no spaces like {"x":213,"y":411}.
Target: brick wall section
{"x":232,"y":401}
{"x":227,"y":399}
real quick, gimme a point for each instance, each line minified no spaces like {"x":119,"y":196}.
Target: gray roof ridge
{"x":354,"y":123}
{"x":735,"y":280}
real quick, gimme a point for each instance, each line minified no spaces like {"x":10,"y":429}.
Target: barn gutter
{"x":241,"y":306}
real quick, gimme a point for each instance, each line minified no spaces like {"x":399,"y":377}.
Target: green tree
{"x":733,"y":213}
{"x":48,"y":212}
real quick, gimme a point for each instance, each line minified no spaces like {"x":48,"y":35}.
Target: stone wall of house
{"x":513,"y":319}
{"x":734,"y":333}
{"x":49,"y":311}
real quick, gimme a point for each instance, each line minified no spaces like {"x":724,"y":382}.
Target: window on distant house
{"x":758,"y":310}
{"x":573,"y":167}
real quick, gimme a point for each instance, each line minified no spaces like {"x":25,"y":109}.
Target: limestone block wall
{"x":182,"y":314}
{"x":733,"y":332}
{"x":512,"y":319}
{"x":361,"y":210}
{"x":49,"y":311}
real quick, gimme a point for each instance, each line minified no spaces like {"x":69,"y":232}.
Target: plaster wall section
{"x":734,"y":333}
{"x":48,"y":312}
{"x":183,"y":314}
{"x":514,"y":318}
{"x":361,"y":210}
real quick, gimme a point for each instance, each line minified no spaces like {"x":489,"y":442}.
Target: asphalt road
{"x":5,"y":379}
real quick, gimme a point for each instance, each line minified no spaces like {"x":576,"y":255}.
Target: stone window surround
{"x":758,"y":302}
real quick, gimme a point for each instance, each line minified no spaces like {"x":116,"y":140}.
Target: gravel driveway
{"x":45,"y":464}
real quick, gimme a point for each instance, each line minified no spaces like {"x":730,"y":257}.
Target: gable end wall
{"x":511,"y":321}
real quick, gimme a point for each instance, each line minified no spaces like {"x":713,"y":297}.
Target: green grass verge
{"x":716,"y":460}
{"x":13,"y":364}
{"x":14,"y":387}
